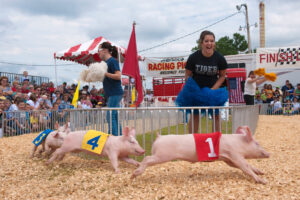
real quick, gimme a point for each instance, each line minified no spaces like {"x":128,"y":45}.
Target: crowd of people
{"x":44,"y":104}
{"x":284,"y":100}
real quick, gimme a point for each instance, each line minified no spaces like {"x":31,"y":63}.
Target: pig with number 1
{"x":233,"y":149}
{"x":115,"y":147}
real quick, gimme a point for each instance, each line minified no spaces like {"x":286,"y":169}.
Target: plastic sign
{"x":94,"y":141}
{"x":41,"y":137}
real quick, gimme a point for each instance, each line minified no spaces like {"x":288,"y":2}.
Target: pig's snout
{"x":264,"y":154}
{"x":140,"y":151}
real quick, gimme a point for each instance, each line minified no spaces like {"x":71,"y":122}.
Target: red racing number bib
{"x":207,"y":146}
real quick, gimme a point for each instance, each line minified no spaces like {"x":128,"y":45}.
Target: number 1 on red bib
{"x":211,"y":147}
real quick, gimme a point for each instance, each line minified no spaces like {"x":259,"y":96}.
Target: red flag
{"x":131,"y":66}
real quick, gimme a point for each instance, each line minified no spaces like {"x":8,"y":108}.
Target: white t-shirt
{"x":250,"y":87}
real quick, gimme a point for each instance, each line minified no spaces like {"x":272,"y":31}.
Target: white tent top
{"x":86,"y":53}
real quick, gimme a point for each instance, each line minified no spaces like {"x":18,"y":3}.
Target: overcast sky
{"x":32,"y":30}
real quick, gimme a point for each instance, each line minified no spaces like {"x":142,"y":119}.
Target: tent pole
{"x":55,"y":72}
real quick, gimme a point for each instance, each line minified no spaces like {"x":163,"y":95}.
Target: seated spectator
{"x":296,"y":106}
{"x":297,"y":92}
{"x":38,"y":92}
{"x":1,"y":116}
{"x":287,"y":108}
{"x":286,"y":96}
{"x":7,"y":104}
{"x":31,"y":90}
{"x":6,"y":90}
{"x":257,"y":92}
{"x":25,"y":88}
{"x":291,"y":90}
{"x":263,"y":96}
{"x":1,"y":95}
{"x":56,"y":96}
{"x":258,"y":100}
{"x":14,"y":86}
{"x":277,"y":95}
{"x":276,"y":106}
{"x":65,"y":103}
{"x":33,"y":101}
{"x":51,"y":88}
{"x":85,"y":102}
{"x":14,"y":106}
{"x":44,"y":103}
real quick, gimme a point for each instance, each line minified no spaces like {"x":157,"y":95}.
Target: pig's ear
{"x":240,"y":130}
{"x":132,"y":132}
{"x":56,"y":135}
{"x":126,"y":131}
{"x":66,"y":125}
{"x":56,"y":125}
{"x":248,"y":133}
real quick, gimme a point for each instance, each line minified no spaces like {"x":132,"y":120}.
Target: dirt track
{"x":76,"y":178}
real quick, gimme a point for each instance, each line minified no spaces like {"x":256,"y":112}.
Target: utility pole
{"x":247,"y":24}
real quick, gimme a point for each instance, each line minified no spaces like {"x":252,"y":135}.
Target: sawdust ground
{"x":77,"y":178}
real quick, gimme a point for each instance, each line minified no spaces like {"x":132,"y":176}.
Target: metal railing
{"x":32,"y":79}
{"x":172,"y":120}
{"x":280,"y":109}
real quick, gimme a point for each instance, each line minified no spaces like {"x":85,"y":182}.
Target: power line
{"x":32,"y":65}
{"x":156,"y":46}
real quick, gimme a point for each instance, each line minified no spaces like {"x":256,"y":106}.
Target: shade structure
{"x":86,"y":53}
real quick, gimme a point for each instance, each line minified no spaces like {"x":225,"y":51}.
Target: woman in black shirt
{"x":204,"y":73}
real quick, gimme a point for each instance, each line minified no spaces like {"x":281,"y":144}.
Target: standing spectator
{"x":112,"y":84}
{"x":269,"y":93}
{"x":1,"y":116}
{"x":7,"y":92}
{"x":285,"y":87}
{"x":297,"y":92}
{"x":25,"y":77}
{"x":38,"y":92}
{"x":250,"y":87}
{"x":205,"y":68}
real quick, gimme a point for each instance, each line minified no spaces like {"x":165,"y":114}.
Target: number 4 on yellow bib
{"x":94,"y":141}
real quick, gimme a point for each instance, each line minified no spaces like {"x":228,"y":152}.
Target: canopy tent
{"x":87,"y":52}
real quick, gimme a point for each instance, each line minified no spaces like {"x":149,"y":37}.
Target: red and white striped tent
{"x":86,"y":53}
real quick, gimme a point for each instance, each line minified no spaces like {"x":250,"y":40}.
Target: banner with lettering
{"x":166,"y":66}
{"x":283,"y":57}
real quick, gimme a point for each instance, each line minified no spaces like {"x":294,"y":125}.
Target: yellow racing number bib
{"x":94,"y":141}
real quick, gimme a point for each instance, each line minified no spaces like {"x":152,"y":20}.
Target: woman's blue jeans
{"x":113,"y":102}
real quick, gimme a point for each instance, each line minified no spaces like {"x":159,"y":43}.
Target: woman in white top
{"x":250,"y":86}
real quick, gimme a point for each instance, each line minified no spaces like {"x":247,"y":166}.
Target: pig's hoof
{"x":261,"y":181}
{"x":117,"y":171}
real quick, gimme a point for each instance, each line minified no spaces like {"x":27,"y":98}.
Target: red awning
{"x":86,"y":53}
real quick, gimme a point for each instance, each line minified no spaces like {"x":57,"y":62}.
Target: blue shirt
{"x":111,"y":86}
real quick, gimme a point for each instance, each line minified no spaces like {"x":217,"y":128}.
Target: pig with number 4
{"x":233,"y":149}
{"x":114,"y":147}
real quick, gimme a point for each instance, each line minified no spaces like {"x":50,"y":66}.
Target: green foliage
{"x":229,"y":46}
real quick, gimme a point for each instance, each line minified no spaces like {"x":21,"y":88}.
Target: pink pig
{"x":53,"y":140}
{"x":116,"y":147}
{"x":233,"y":150}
